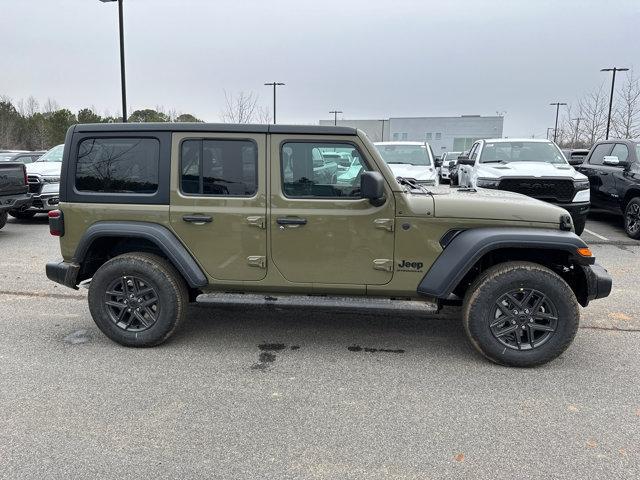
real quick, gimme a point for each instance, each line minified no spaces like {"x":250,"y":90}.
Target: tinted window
{"x":599,"y":152}
{"x":118,"y":165}
{"x":621,"y":151}
{"x":310,"y":170}
{"x":219,"y":167}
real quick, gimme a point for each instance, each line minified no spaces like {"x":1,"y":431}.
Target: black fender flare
{"x":159,"y":235}
{"x":463,"y":249}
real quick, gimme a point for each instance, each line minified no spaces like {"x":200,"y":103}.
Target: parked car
{"x":43,"y":177}
{"x":13,"y":188}
{"x":7,"y":155}
{"x":410,"y":160}
{"x":575,"y":156}
{"x":533,"y":167}
{"x":27,"y":157}
{"x":279,"y":234}
{"x":613,"y":169}
{"x":448,"y":160}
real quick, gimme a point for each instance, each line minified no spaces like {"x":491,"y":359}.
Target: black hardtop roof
{"x":214,"y":127}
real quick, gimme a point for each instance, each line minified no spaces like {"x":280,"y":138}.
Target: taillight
{"x":56,"y":223}
{"x":24,"y":173}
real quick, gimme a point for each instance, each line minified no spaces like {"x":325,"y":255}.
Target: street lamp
{"x":122,"y":76}
{"x":555,"y":130}
{"x":335,"y":116}
{"x":613,"y":82}
{"x":274,"y":84}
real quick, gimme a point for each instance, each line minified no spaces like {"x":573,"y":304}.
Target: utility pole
{"x":613,"y":83}
{"x":274,"y":84}
{"x":335,"y":116}
{"x":555,"y":130}
{"x":575,"y":135}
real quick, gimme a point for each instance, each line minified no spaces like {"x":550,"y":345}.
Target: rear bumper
{"x":598,"y":281}
{"x":12,"y":202}
{"x":63,"y":273}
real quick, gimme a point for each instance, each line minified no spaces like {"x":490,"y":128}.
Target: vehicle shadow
{"x":38,"y":219}
{"x":437,"y":335}
{"x":609,"y":218}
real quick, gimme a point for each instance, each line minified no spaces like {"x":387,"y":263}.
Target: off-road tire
{"x":632,"y":206}
{"x":158,"y":273}
{"x":3,"y":219}
{"x":22,"y":215}
{"x":578,"y":224}
{"x":491,"y":285}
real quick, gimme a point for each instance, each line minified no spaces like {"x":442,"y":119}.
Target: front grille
{"x":553,"y":190}
{"x":35,"y":185}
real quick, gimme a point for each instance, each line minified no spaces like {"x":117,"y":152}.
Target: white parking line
{"x":596,"y":234}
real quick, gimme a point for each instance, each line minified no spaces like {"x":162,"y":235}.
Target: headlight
{"x":487,"y":183}
{"x":51,"y":179}
{"x":581,"y":185}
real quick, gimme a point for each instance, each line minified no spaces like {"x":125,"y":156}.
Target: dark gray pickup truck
{"x":13,"y":189}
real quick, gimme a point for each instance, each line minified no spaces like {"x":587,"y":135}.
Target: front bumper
{"x":63,"y":273}
{"x":598,"y":282}
{"x":45,"y":203}
{"x":13,"y":202}
{"x":577,"y":209}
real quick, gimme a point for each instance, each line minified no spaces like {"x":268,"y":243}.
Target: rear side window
{"x":219,"y":167}
{"x":118,"y":165}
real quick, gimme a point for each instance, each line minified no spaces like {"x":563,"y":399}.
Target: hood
{"x":528,"y":169}
{"x":419,"y":172}
{"x":44,"y":168}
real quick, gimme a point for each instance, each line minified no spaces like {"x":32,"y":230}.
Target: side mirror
{"x":575,"y":161}
{"x":465,"y":160}
{"x":372,"y":187}
{"x":438,"y":162}
{"x":613,"y":161}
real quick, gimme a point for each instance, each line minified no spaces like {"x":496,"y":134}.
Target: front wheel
{"x":520,"y":314}
{"x":137,"y":299}
{"x":632,"y":218}
{"x":3,"y":219}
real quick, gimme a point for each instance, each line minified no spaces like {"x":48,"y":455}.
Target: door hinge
{"x":256,"y":221}
{"x":384,"y":264}
{"x":257,"y":261}
{"x":384,"y":223}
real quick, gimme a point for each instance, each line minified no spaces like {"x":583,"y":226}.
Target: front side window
{"x":474,"y":151}
{"x":219,"y":167}
{"x":117,"y":165}
{"x":505,"y":152}
{"x":602,"y":150}
{"x":323,"y":170}
{"x":407,"y":154}
{"x":621,"y":151}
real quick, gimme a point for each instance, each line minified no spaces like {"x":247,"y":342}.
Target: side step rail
{"x":319,"y":301}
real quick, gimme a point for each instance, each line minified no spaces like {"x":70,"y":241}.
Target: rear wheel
{"x":632,"y":218}
{"x":520,"y":314}
{"x":22,"y":215}
{"x":3,"y":219}
{"x":137,"y":299}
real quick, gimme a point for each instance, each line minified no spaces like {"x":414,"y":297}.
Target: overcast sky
{"x":371,"y":59}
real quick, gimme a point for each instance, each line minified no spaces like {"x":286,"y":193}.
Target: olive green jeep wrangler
{"x":154,"y":216}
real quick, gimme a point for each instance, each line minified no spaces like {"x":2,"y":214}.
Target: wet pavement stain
{"x":77,"y":337}
{"x":272,"y":347}
{"x":358,"y":348}
{"x":295,"y":347}
{"x":267,"y":355}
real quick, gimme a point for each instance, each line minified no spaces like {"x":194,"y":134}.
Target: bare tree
{"x":626,"y":117}
{"x":263,"y":115}
{"x":592,"y":110}
{"x":241,"y":108}
{"x":50,"y":106}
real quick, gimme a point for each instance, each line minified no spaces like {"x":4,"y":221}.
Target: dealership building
{"x":444,"y":134}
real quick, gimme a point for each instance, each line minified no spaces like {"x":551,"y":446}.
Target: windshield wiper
{"x":413,"y":184}
{"x":494,"y":161}
{"x":399,"y":163}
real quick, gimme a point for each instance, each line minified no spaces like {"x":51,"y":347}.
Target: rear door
{"x":322,"y":231}
{"x":218,"y":202}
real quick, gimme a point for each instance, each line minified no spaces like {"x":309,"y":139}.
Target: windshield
{"x":409,"y":154}
{"x":452,"y":155}
{"x":506,"y":152}
{"x":6,"y":156}
{"x":53,"y":155}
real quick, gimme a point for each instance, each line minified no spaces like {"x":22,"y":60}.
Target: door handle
{"x":291,"y":221}
{"x":197,"y":219}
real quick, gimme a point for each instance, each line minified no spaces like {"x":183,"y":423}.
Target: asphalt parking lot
{"x":282,"y":393}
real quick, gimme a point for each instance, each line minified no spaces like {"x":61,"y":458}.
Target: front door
{"x":601,"y":180}
{"x":322,"y":231}
{"x":218,"y":202}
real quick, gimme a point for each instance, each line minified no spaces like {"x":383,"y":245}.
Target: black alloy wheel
{"x":132,"y":303}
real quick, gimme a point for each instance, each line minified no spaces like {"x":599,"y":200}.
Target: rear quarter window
{"x":126,"y":165}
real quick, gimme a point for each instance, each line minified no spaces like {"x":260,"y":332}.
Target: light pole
{"x":122,"y":76}
{"x":613,"y":83}
{"x":575,"y":135}
{"x":335,"y":116}
{"x":274,"y":84}
{"x":555,"y":130}
{"x":548,"y":128}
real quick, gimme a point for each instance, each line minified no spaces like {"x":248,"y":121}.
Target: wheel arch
{"x":468,"y":253}
{"x":631,"y":193}
{"x":104,"y":240}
